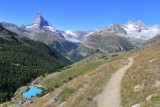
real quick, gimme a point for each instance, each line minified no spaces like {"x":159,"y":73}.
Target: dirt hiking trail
{"x":110,"y":97}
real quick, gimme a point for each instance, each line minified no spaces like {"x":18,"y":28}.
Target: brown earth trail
{"x":111,"y":95}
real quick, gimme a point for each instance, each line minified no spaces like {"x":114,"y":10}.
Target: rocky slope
{"x":115,"y":38}
{"x":108,"y":42}
{"x":140,"y":84}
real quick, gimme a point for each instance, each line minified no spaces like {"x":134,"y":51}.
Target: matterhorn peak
{"x":40,"y":21}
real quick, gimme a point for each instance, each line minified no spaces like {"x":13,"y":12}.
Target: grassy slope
{"x":81,"y":82}
{"x":72,"y":71}
{"x":109,"y":42}
{"x":92,"y":84}
{"x":144,"y":73}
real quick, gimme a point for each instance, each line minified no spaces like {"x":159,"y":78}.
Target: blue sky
{"x":81,"y":14}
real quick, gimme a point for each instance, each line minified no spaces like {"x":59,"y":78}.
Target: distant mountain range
{"x":75,"y":45}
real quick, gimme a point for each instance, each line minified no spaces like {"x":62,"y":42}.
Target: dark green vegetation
{"x":22,"y":60}
{"x":79,"y":83}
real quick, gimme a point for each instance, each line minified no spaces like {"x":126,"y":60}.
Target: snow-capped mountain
{"x":41,"y":30}
{"x":132,"y":30}
{"x":115,"y":28}
{"x":118,"y":37}
{"x":135,"y":26}
{"x":77,"y":44}
{"x":39,"y":22}
{"x":139,"y":30}
{"x":135,"y":31}
{"x":41,"y":25}
{"x":75,"y":36}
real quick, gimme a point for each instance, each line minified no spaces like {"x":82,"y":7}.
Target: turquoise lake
{"x":32,"y":92}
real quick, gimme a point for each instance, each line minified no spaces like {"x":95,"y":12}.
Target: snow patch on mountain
{"x":139,"y":30}
{"x":69,"y":32}
{"x":75,"y":36}
{"x":131,"y":27}
{"x":32,"y":26}
{"x":70,"y":36}
{"x":51,"y":28}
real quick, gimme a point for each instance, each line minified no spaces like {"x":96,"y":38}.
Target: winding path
{"x":111,"y":95}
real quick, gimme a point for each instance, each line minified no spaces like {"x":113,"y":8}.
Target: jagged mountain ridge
{"x":78,"y":44}
{"x":39,"y":24}
{"x":41,"y":30}
{"x":133,"y":30}
{"x":141,"y":31}
{"x":116,"y":38}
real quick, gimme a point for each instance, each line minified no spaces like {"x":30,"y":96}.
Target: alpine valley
{"x":80,"y":68}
